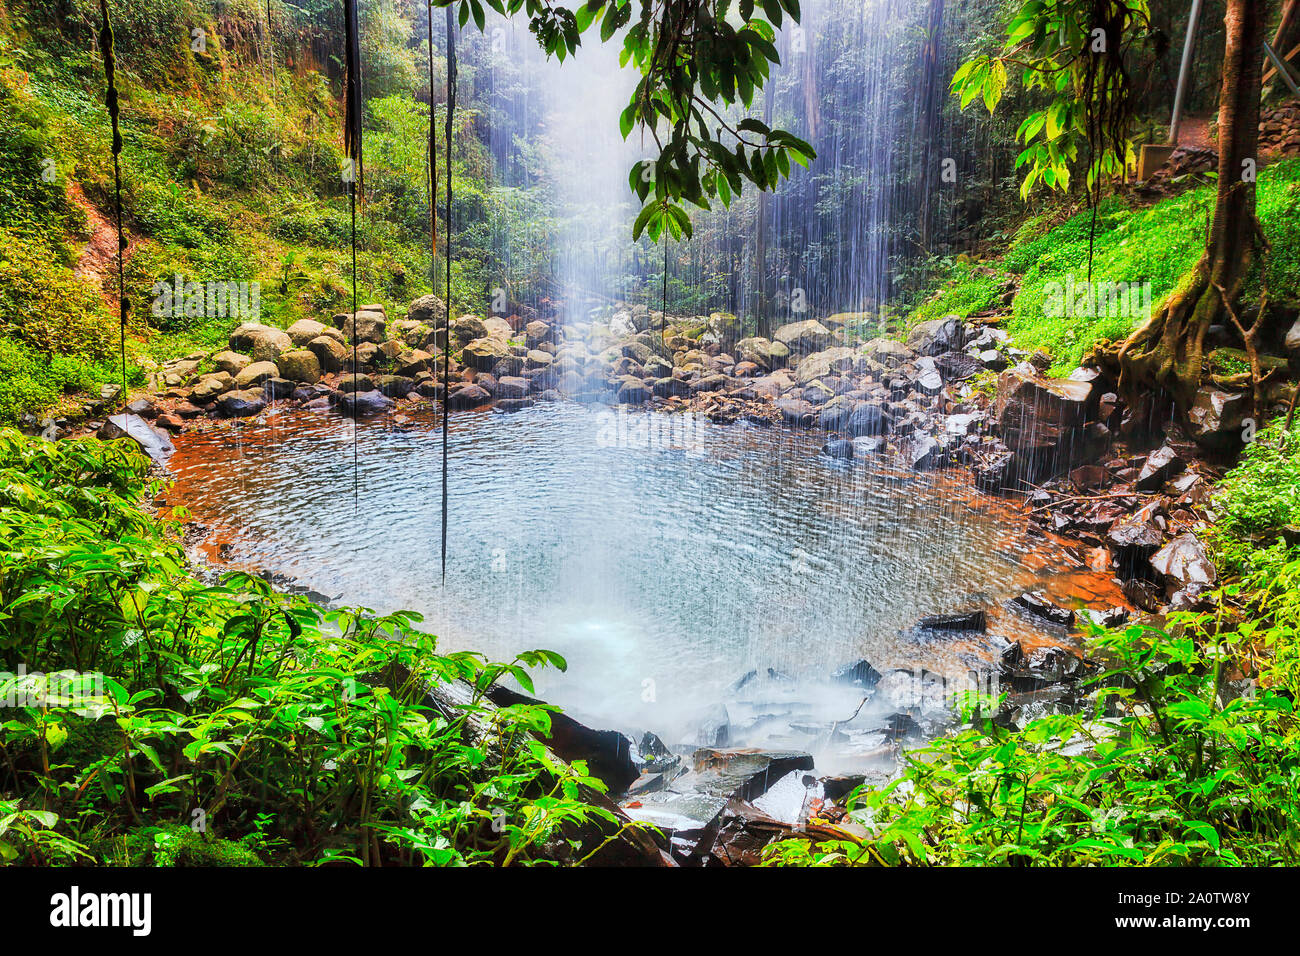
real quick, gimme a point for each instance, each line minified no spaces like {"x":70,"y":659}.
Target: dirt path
{"x":98,"y":259}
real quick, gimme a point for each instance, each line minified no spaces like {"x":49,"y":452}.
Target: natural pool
{"x":663,"y":556}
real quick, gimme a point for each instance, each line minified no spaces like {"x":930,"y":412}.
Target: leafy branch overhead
{"x":697,"y":60}
{"x":1074,"y":51}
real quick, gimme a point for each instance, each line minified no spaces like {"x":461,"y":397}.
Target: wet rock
{"x":867,"y":446}
{"x":209,"y":387}
{"x":428,"y":310}
{"x":1161,"y":465}
{"x":824,"y":363}
{"x":633,"y":391}
{"x":865,"y":419}
{"x":804,"y":337}
{"x":938,"y":336}
{"x":607,"y":752}
{"x":924,"y":452}
{"x":796,"y":411}
{"x":765,"y":354}
{"x":300,"y":365}
{"x":304,"y":330}
{"x":241,"y":403}
{"x":1137,"y":532}
{"x":1041,"y":420}
{"x":1089,"y":478}
{"x":1185,"y":564}
{"x":958,"y":366}
{"x":256,"y":374}
{"x":1036,"y":605}
{"x":837,"y":788}
{"x":887,"y":352}
{"x":1216,"y":418}
{"x":394,"y":386}
{"x":712,"y":728}
{"x":859,"y":674}
{"x":152,"y":441}
{"x":277,"y":388}
{"x":971,"y":621}
{"x":413,"y":362}
{"x":360,"y":382}
{"x":482,"y":354}
{"x":743,"y":773}
{"x":356,"y":404}
{"x":468,"y":396}
{"x":838,"y":448}
{"x":330,"y":353}
{"x":1109,"y":617}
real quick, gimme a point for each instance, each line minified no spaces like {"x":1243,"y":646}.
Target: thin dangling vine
{"x":446,"y":346}
{"x":110,"y":100}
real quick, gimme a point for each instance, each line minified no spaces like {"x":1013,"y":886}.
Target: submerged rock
{"x":1035,"y":604}
{"x":976,"y":621}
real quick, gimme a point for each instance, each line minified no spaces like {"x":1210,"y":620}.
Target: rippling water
{"x":663,"y":557}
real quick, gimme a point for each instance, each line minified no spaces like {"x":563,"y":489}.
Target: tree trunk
{"x":1167,"y":352}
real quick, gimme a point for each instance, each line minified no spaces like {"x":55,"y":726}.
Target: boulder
{"x":859,"y":674}
{"x":468,"y":396}
{"x":395,"y":386}
{"x":262,"y":342}
{"x":804,"y":337}
{"x":413,"y":362}
{"x":762,"y":352}
{"x":1185,"y":564}
{"x":209,"y":387}
{"x":300,"y":365}
{"x":745,"y":773}
{"x":304,"y":330}
{"x":512,"y":387}
{"x":152,"y":441}
{"x":366,"y":327}
{"x":1216,"y":418}
{"x":1041,"y":420}
{"x":887,"y":352}
{"x":1161,"y":465}
{"x":468,"y":328}
{"x":356,"y":404}
{"x":938,"y":336}
{"x":607,"y":752}
{"x":1036,"y":605}
{"x":241,"y":403}
{"x":428,"y":310}
{"x":256,"y":374}
{"x":482,"y":354}
{"x":821,"y":364}
{"x":330,"y":353}
{"x":839,"y":448}
{"x":231,"y":363}
{"x":969,"y":621}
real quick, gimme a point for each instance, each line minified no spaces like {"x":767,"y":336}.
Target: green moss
{"x":1156,"y":245}
{"x":178,"y":845}
{"x":966,"y":288}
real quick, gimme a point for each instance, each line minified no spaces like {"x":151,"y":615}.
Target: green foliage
{"x":1157,"y":244}
{"x":291,"y":734}
{"x":1189,"y":774}
{"x":1071,"y":51}
{"x":965,"y":288}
